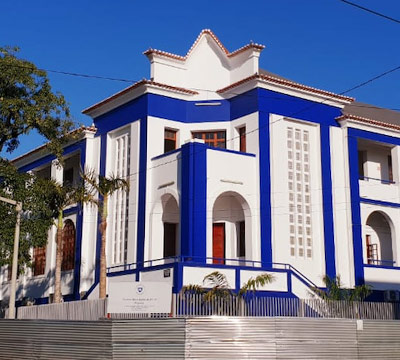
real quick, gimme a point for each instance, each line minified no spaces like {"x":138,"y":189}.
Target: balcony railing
{"x":376,"y":262}
{"x":382,"y":181}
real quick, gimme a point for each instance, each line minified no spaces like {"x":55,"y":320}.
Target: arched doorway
{"x":170,"y":219}
{"x":68,"y":246}
{"x":231,"y":233}
{"x":378,"y":240}
{"x":164,"y":228}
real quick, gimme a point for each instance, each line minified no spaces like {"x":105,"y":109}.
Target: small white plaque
{"x":139,"y":297}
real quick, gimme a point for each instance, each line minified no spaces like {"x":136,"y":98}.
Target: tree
{"x":63,"y":196}
{"x":28,"y":103}
{"x":37,"y":217}
{"x":104,"y":187}
{"x":335,"y":291}
{"x":215,"y":285}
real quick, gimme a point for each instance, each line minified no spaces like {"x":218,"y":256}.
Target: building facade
{"x":231,"y":168}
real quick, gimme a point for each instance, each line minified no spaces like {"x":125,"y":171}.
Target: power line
{"x":132,"y":81}
{"x":371,"y":80}
{"x":371,"y":11}
{"x":70,"y":73}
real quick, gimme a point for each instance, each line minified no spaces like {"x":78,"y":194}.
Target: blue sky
{"x":322,"y":43}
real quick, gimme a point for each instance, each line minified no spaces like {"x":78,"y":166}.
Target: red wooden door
{"x":218,"y":243}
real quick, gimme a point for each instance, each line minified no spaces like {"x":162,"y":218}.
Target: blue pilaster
{"x":330,"y":266}
{"x":141,"y":221}
{"x":194,"y":200}
{"x":355,"y":210}
{"x":265,"y":188}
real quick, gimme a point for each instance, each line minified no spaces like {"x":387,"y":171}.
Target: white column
{"x":57,"y":172}
{"x":89,"y":217}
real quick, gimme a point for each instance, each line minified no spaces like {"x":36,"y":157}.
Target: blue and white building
{"x":231,"y":168}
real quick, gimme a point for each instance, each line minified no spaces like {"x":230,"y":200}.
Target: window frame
{"x":39,"y":267}
{"x":171,"y":139}
{"x":242,"y":139}
{"x":215,"y":139}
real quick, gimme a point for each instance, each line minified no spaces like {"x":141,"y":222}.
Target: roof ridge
{"x":209,"y":32}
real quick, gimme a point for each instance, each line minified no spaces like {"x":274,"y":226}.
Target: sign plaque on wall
{"x":139,"y":297}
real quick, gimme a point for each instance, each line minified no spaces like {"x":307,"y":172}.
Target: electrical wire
{"x":131,"y":81}
{"x":371,"y":11}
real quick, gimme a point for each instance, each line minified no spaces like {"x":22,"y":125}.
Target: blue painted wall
{"x":193,"y":200}
{"x":141,"y":221}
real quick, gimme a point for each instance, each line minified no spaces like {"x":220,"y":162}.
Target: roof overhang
{"x":132,"y":92}
{"x":287,"y":87}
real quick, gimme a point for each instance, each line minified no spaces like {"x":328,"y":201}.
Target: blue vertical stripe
{"x":265,"y":188}
{"x":355,"y":210}
{"x":330,"y":267}
{"x":141,"y":222}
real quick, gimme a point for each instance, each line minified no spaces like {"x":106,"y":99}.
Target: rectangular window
{"x":169,"y":140}
{"x":120,"y":203}
{"x":241,"y":240}
{"x":169,"y":240}
{"x":39,"y":260}
{"x":242,"y":135}
{"x":212,"y":138}
{"x":69,"y":176}
{"x":361,"y":161}
{"x":390,"y":168}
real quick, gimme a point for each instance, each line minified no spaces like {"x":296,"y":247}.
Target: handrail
{"x":381,"y":262}
{"x":200,"y":261}
{"x":383,"y":181}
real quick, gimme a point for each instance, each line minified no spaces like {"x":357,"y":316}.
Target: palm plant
{"x":215,"y":285}
{"x":104,"y":187}
{"x":335,"y":291}
{"x":62,"y":197}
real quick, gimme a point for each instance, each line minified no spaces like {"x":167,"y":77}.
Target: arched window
{"x":68,"y":247}
{"x":378,"y":240}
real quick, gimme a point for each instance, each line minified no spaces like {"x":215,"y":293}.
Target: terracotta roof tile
{"x":136,"y":85}
{"x":289,"y":83}
{"x":368,"y":121}
{"x":215,"y":38}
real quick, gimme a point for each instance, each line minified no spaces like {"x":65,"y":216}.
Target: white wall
{"x":342,"y":206}
{"x":382,"y":279}
{"x":157,"y":276}
{"x":233,"y":176}
{"x":279,"y":282}
{"x":195,"y":275}
{"x":314,"y":267}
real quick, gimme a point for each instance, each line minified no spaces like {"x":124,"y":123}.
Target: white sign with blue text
{"x":138,"y":297}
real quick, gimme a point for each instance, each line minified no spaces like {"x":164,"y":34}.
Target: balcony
{"x":377,"y":172}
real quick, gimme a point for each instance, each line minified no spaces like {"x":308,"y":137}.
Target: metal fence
{"x":75,"y":310}
{"x":233,"y":338}
{"x":195,"y":305}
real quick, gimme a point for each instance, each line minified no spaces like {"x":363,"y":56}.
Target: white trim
{"x":374,"y":128}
